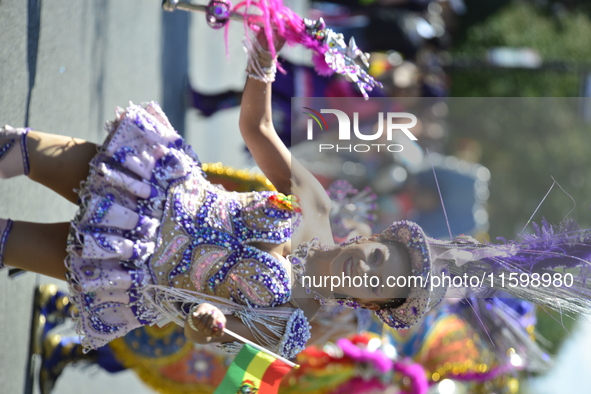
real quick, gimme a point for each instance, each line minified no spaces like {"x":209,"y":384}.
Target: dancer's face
{"x":373,"y":268}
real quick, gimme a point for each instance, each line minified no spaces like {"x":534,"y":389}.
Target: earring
{"x":346,"y":302}
{"x":349,"y":303}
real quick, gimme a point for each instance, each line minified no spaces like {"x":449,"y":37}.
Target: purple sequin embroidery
{"x":122,"y":153}
{"x":4,"y":149}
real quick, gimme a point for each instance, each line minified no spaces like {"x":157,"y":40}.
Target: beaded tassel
{"x":5,"y":227}
{"x":286,"y":330}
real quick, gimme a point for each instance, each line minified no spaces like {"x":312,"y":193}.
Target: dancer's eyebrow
{"x":386,"y":253}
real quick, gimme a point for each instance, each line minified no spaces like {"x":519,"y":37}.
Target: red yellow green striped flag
{"x":253,"y":371}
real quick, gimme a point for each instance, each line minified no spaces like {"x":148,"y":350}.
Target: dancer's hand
{"x":208,"y":321}
{"x":278,"y":41}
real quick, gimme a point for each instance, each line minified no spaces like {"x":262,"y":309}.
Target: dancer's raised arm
{"x":258,"y":132}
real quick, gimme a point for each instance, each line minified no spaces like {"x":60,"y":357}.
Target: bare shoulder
{"x":313,"y":197}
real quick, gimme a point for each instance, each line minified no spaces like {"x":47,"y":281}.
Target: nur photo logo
{"x":386,"y":125}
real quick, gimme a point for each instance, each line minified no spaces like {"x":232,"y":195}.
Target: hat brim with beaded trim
{"x":420,"y":298}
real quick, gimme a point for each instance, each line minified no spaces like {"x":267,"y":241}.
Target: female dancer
{"x":154,"y":241}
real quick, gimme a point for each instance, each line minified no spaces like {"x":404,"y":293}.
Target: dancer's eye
{"x":376,"y":256}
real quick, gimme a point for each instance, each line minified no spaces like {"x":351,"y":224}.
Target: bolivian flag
{"x":253,"y":372}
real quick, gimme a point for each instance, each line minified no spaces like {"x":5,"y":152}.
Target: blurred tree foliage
{"x":562,"y":39}
{"x":547,"y":141}
{"x":563,"y":6}
{"x":552,"y":327}
{"x":524,"y":139}
{"x":477,"y":11}
{"x":524,"y":143}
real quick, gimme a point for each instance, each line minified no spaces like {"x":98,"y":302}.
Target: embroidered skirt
{"x":115,"y":230}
